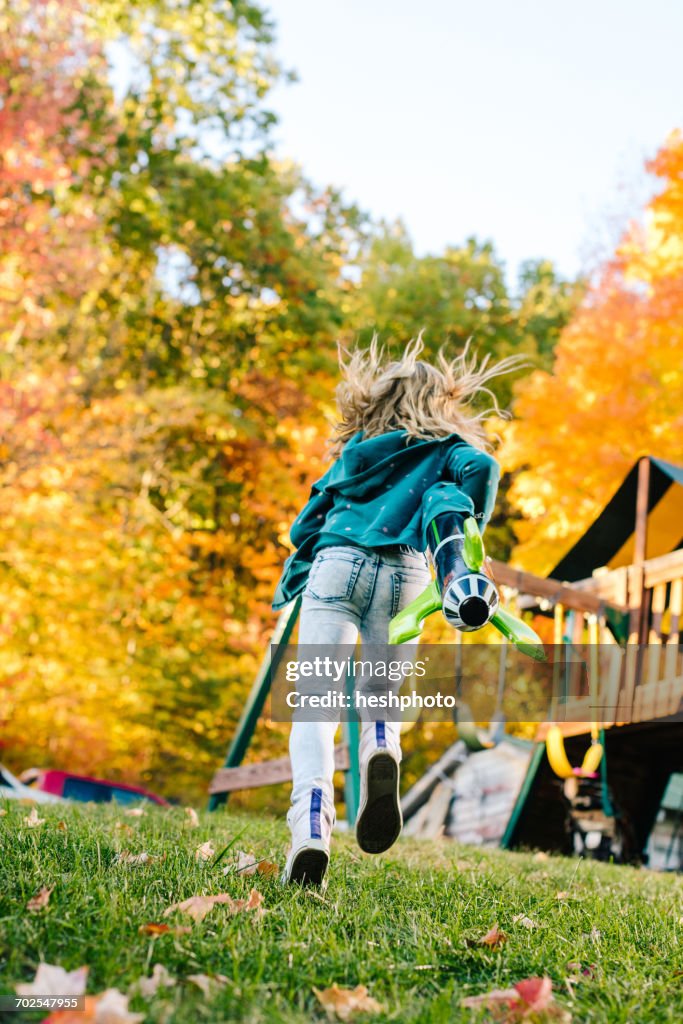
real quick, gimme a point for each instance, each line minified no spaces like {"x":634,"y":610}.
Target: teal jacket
{"x":386,"y":490}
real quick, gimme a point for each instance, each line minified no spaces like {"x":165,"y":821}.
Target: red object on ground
{"x":83,"y":787}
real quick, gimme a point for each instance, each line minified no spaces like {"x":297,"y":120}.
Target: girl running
{"x":409,"y":451}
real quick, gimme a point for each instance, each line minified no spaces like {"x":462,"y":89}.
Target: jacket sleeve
{"x":469,"y":485}
{"x":312,"y":516}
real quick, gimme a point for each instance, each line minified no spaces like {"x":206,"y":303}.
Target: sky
{"x":526,"y":123}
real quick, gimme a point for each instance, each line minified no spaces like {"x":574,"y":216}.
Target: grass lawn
{"x":405,"y":924}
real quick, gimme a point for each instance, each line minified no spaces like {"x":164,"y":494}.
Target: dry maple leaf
{"x":248,"y":865}
{"x":133,"y":859}
{"x":344,"y":1003}
{"x":163,"y":929}
{"x":494,"y":938}
{"x":40,"y":900}
{"x":199,"y":906}
{"x":579,"y":972}
{"x":196,"y":907}
{"x":160,"y":978}
{"x":530,"y":999}
{"x":253,"y":902}
{"x":109,"y":1007}
{"x":267,"y":867}
{"x":52,"y":980}
{"x":62,"y":826}
{"x":498,"y":999}
{"x":526,"y":922}
{"x":205,"y":851}
{"x":205,"y":981}
{"x":192,"y":817}
{"x":32,"y":820}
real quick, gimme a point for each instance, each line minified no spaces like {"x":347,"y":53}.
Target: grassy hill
{"x":407,"y":925}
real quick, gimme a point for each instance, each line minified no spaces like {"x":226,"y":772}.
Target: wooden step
{"x":266,"y":773}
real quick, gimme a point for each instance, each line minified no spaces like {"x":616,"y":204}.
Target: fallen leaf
{"x":122,"y":826}
{"x":267,"y":867}
{"x":541,"y":856}
{"x":163,"y":929}
{"x":526,"y":922}
{"x":343,"y":1003}
{"x":109,"y":1007}
{"x":205,"y":851}
{"x":498,"y":998}
{"x":133,"y":859}
{"x":253,"y":902}
{"x":562,"y":895}
{"x":32,"y":819}
{"x":52,"y":980}
{"x":199,"y":906}
{"x":134,"y":812}
{"x":160,"y":978}
{"x":40,"y":900}
{"x":205,"y":981}
{"x":529,"y":999}
{"x":579,"y":972}
{"x":494,"y":938}
{"x":537,"y":993}
{"x":62,"y":826}
{"x":3,"y":812}
{"x":192,"y":817}
{"x":112,"y":1008}
{"x":248,"y":865}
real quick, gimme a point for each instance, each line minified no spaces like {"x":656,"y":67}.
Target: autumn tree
{"x":54,"y":134}
{"x":614,"y":392}
{"x":154,"y":428}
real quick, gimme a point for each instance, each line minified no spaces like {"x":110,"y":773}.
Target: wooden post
{"x":642,"y":507}
{"x":640,"y":549}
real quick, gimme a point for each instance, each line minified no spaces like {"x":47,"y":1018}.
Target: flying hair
{"x":426,"y":400}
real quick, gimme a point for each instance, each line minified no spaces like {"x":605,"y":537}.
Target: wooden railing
{"x":639,"y":680}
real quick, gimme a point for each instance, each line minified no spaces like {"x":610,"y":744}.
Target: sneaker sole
{"x":380,"y":820}
{"x":308,"y":867}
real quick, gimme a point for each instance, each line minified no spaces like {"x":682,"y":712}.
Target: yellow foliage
{"x":614,"y":392}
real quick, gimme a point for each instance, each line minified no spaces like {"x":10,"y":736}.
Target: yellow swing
{"x":554,"y":742}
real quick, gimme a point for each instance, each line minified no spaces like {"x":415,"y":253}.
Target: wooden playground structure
{"x":631,"y":609}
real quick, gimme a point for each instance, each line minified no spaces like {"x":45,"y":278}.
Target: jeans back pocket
{"x":333,"y":577}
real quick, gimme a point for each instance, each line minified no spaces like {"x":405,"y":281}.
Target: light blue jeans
{"x":350,"y":592}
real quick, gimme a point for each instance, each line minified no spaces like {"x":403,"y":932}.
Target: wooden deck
{"x":639,"y":679}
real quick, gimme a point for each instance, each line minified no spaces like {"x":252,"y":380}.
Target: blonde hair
{"x":426,"y":400}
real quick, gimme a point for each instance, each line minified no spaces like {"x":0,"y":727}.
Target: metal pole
{"x":351,"y":733}
{"x":258,"y":694}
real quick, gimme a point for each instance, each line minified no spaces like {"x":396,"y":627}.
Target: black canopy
{"x":610,"y":540}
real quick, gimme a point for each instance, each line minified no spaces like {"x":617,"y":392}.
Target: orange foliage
{"x":615,"y":389}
